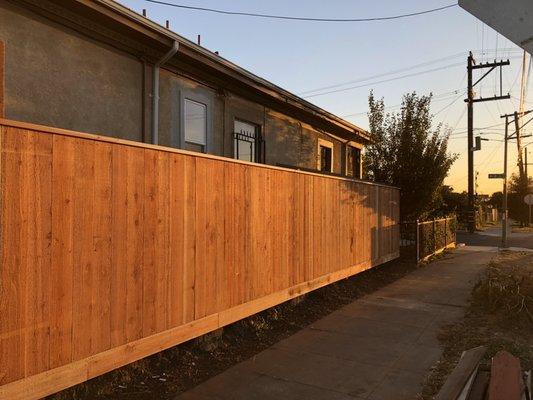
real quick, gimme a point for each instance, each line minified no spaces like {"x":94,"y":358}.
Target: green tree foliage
{"x":518,"y":210}
{"x":409,"y":153}
{"x":452,"y":202}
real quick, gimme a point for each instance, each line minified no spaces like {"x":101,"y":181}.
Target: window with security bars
{"x":248,"y":144}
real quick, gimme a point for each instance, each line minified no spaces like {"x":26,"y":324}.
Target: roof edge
{"x":173,"y":36}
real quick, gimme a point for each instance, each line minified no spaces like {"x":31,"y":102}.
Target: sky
{"x":425,"y":53}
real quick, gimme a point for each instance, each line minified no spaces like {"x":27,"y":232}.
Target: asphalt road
{"x":492,"y":237}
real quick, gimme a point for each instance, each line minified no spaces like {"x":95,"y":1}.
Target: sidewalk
{"x":378,"y":347}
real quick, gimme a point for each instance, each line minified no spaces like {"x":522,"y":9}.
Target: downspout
{"x":155,"y":91}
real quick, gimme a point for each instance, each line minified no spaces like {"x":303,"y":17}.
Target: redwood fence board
{"x":114,"y":250}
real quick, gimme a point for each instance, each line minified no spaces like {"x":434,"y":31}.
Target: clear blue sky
{"x":302,"y":56}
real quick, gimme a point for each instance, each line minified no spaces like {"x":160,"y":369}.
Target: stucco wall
{"x":65,"y":80}
{"x":290,"y":142}
{"x":173,"y":90}
{"x":57,"y":77}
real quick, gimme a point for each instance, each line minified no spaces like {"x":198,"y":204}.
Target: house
{"x":78,"y":64}
{"x":113,"y":250}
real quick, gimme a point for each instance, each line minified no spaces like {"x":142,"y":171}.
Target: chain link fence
{"x":422,"y":239}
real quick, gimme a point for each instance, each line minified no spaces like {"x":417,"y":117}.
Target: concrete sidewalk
{"x":378,"y":347}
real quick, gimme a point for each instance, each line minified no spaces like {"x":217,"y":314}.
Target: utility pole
{"x":521,"y":171}
{"x":471,"y":212}
{"x":470,"y":100}
{"x":506,"y":140}
{"x":505,"y":213}
{"x":526,"y":164}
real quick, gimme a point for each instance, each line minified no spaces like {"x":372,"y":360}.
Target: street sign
{"x":496,"y":176}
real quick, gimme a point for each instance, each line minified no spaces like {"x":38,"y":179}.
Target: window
{"x":248,"y":144}
{"x":325,"y":156}
{"x":353,"y":162}
{"x":195,"y":126}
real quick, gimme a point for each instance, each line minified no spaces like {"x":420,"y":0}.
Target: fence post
{"x":445,"y":232}
{"x":434,"y":236}
{"x":455,"y":229}
{"x":417,"y":242}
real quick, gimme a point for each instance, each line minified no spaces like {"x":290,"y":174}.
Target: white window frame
{"x":185,"y":100}
{"x":324,"y":143}
{"x":207,"y":101}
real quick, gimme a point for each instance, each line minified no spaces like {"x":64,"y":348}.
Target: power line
{"x":450,"y":104}
{"x":384,"y":80}
{"x":477,"y":129}
{"x":435,"y":98}
{"x":295,"y":18}
{"x":391,"y":72}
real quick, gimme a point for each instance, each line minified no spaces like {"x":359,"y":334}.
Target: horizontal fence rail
{"x":114,"y":250}
{"x":422,"y":239}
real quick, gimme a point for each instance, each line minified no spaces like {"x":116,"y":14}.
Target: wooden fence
{"x":114,"y":250}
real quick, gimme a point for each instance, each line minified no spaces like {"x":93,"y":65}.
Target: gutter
{"x":155,"y":91}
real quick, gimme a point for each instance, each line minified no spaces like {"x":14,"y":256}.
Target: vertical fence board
{"x":62,"y":268}
{"x":102,"y":249}
{"x":189,"y":252}
{"x":11,"y":287}
{"x":176,"y":280}
{"x":82,"y":239}
{"x":135,"y":242}
{"x":119,"y":242}
{"x":39,"y":208}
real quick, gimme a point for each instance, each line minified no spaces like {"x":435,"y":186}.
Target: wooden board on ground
{"x":505,"y":378}
{"x":461,"y":374}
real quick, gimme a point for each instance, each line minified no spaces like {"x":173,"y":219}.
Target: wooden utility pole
{"x":506,"y":141}
{"x":504,"y":205}
{"x":521,"y":171}
{"x":470,"y":100}
{"x":523,"y":93}
{"x":471,"y":212}
{"x":526,"y":164}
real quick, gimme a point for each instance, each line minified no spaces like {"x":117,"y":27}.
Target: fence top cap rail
{"x":108,"y":139}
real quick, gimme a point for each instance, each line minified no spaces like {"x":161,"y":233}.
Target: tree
{"x":407,"y":152}
{"x":496,"y":200}
{"x":518,"y":210}
{"x":452,"y":202}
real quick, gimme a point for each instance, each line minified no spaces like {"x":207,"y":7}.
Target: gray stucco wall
{"x":58,"y":77}
{"x":173,"y":90}
{"x":66,"y":80}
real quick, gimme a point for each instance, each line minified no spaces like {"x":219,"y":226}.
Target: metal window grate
{"x":254,"y":140}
